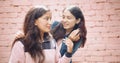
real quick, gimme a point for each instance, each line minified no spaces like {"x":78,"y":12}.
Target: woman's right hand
{"x":75,"y":35}
{"x":19,"y":34}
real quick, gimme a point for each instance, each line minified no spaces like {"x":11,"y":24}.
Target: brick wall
{"x":102,"y":21}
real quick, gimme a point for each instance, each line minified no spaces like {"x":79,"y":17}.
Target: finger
{"x":67,"y":44}
{"x":74,"y":32}
{"x":77,"y":38}
{"x":78,"y":35}
{"x":78,"y":32}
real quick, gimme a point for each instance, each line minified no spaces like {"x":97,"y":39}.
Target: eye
{"x":63,"y":16}
{"x":46,"y":18}
{"x":69,"y":17}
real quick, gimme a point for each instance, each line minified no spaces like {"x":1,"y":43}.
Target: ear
{"x":78,"y":20}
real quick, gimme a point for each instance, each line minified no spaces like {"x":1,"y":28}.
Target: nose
{"x":64,"y":20}
{"x":49,"y":22}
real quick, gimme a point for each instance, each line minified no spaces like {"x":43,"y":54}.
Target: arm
{"x":77,"y":40}
{"x":17,"y":53}
{"x":66,"y":58}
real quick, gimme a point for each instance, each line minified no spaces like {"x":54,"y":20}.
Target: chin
{"x":47,"y":31}
{"x":66,"y":27}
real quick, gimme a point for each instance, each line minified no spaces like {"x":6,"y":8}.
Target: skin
{"x":44,"y":23}
{"x":69,"y":22}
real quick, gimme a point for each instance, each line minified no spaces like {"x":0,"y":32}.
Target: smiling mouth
{"x":65,"y":24}
{"x":48,"y":27}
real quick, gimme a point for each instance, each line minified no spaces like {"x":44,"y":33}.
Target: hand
{"x":75,"y":35}
{"x":69,"y":44}
{"x":19,"y":34}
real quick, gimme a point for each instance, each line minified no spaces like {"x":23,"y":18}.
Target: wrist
{"x":70,"y":38}
{"x":67,"y":54}
{"x":69,"y":50}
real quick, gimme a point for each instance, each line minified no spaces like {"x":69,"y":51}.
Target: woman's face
{"x":44,"y":22}
{"x":68,"y":20}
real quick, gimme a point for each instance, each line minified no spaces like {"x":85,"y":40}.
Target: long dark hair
{"x":31,"y":39}
{"x":59,"y":32}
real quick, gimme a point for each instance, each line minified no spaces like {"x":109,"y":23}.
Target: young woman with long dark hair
{"x":37,"y":46}
{"x":72,"y":26}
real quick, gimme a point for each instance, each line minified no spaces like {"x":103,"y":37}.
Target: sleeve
{"x":17,"y":53}
{"x":66,"y":58}
{"x":77,"y":45}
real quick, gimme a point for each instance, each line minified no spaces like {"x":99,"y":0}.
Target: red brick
{"x":8,"y":15}
{"x":80,"y":53}
{"x":98,"y":7}
{"x":112,"y":24}
{"x":115,"y":17}
{"x":11,"y":20}
{"x":8,"y":31}
{"x":25,"y":9}
{"x":82,"y":59}
{"x":102,"y":22}
{"x":97,"y":18}
{"x":5,"y":3}
{"x":86,"y":7}
{"x":113,"y":46}
{"x":93,"y":58}
{"x":5,"y":49}
{"x":10,"y":9}
{"x":6,"y":37}
{"x":114,"y":1}
{"x":89,"y":13}
{"x":21,"y":2}
{"x":110,"y":35}
{"x":98,"y":1}
{"x":113,"y":52}
{"x":112,"y":6}
{"x":95,"y":40}
{"x":111,"y":41}
{"x":4,"y":57}
{"x":97,"y":29}
{"x":112,"y":59}
{"x":96,"y":47}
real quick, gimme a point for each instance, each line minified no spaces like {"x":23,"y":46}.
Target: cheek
{"x":43,"y":27}
{"x":40,"y":25}
{"x":72,"y":23}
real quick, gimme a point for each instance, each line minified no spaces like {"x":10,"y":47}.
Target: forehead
{"x":48,"y":13}
{"x":67,"y":13}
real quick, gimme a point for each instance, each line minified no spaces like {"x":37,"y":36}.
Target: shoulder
{"x":54,"y":24}
{"x":17,"y":53}
{"x":18,"y":45}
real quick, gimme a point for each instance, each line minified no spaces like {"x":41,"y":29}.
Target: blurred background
{"x":102,"y":22}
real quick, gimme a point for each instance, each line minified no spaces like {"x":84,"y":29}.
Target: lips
{"x":65,"y":24}
{"x":48,"y":26}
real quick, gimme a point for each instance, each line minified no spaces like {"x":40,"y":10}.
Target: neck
{"x":42,"y":36}
{"x":68,"y":30}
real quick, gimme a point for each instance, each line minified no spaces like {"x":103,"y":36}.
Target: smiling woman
{"x":42,"y":22}
{"x":73,"y":27}
{"x":37,"y":46}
